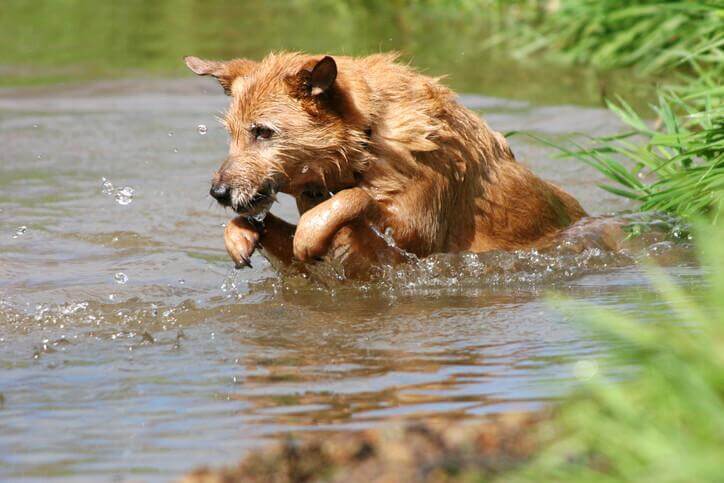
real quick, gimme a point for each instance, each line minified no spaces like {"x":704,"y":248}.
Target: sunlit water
{"x":130,"y":349}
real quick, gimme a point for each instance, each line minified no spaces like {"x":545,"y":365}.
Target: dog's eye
{"x":261,"y":132}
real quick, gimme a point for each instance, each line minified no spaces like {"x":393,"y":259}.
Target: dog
{"x":383,"y":161}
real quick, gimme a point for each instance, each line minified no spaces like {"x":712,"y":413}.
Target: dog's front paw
{"x":308,"y":244}
{"x":241,"y":239}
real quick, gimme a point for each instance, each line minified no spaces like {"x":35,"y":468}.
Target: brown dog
{"x":381,"y":160}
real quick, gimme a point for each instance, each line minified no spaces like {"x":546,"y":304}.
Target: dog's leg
{"x":241,"y":238}
{"x":360,"y":250}
{"x":318,"y":226}
{"x":276,"y":240}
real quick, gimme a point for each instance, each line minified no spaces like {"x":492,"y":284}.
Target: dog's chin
{"x":256,"y":210}
{"x":255,"y":206}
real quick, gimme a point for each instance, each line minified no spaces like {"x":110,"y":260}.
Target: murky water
{"x":130,"y":350}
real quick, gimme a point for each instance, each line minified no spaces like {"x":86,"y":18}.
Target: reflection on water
{"x":130,"y":348}
{"x":48,"y":41}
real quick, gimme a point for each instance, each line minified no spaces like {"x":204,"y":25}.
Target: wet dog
{"x":381,"y":160}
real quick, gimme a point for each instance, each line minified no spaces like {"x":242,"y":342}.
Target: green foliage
{"x":649,"y":35}
{"x":663,"y":420}
{"x":677,"y":166}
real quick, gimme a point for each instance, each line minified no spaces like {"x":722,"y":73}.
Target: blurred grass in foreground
{"x":664,"y":421}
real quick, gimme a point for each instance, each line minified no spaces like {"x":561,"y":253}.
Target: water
{"x":130,"y":349}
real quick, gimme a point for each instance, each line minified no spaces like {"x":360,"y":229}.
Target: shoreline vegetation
{"x":676,"y":163}
{"x":663,"y":420}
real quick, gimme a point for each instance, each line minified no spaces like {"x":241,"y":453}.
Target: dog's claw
{"x":241,"y":239}
{"x":245,"y":262}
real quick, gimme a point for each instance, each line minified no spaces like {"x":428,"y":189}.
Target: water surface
{"x":129,"y":348}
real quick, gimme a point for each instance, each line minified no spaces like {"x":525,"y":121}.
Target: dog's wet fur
{"x":368,"y":146}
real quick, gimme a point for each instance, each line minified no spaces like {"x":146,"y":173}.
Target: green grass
{"x":663,"y":420}
{"x":675,"y":165}
{"x":671,"y":158}
{"x":650,"y":35}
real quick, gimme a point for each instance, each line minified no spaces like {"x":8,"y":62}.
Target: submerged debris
{"x":422,"y":452}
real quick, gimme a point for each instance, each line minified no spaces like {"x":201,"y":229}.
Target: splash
{"x":593,"y":245}
{"x":123,"y":196}
{"x":106,"y":187}
{"x":20,"y":231}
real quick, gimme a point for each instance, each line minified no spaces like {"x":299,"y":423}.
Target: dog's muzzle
{"x":258,"y":203}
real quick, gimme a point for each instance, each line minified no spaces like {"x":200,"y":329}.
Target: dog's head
{"x":293,"y":128}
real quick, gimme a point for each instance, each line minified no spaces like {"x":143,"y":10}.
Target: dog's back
{"x":445,"y":181}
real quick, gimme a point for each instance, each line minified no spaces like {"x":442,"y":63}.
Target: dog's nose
{"x":220,"y":192}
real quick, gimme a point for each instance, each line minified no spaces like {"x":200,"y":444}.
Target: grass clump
{"x":675,"y":165}
{"x":675,"y":162}
{"x":649,"y":35}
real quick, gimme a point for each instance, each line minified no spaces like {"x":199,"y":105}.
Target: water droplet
{"x":112,"y":296}
{"x":170,"y":133}
{"x":182,"y":282}
{"x":120,"y":278}
{"x":20,"y":231}
{"x":124,"y":196}
{"x":305,"y":168}
{"x":175,"y":150}
{"x":106,"y":187}
{"x":201,"y":128}
{"x":35,"y":126}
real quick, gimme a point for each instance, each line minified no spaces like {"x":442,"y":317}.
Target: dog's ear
{"x":315,"y":78}
{"x":224,"y":72}
{"x":323,"y":75}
